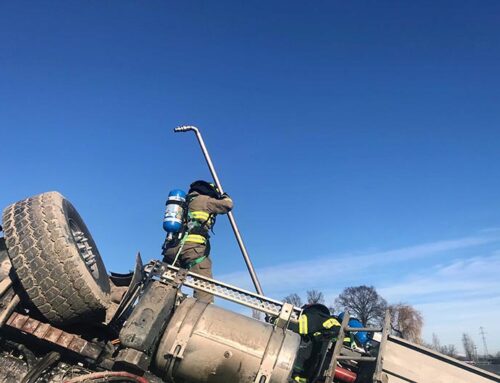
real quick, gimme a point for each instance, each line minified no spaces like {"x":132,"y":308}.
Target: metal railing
{"x":168,"y":273}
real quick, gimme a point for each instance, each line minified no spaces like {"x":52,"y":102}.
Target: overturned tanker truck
{"x":64,"y":319}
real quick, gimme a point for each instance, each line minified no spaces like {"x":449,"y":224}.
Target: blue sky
{"x":359,"y":140}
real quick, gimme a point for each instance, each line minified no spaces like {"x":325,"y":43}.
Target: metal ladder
{"x":167,"y":273}
{"x":336,"y":356}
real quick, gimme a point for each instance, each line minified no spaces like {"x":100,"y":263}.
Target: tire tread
{"x":40,"y":249}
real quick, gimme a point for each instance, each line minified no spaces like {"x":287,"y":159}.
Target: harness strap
{"x":200,"y":222}
{"x":196,"y":261}
{"x":181,"y":246}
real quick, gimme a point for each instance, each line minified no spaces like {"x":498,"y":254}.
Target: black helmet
{"x":316,"y":307}
{"x":205,"y":188}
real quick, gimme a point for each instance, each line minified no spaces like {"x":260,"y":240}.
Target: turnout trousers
{"x":195,"y":258}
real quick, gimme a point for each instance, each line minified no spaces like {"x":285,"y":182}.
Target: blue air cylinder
{"x":360,"y":336}
{"x":174,"y":212}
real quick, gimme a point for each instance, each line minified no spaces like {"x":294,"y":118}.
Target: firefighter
{"x":316,"y":327}
{"x":204,"y":202}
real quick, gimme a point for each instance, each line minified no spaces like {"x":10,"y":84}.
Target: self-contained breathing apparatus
{"x":173,"y":223}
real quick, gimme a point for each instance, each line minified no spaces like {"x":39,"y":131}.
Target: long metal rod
{"x":236,"y":231}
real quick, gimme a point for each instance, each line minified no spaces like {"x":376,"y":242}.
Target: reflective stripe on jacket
{"x":196,"y":238}
{"x":201,"y":210}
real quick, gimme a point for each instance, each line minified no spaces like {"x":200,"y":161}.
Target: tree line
{"x":366,"y":304}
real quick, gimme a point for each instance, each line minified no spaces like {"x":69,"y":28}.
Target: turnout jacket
{"x":202,"y":210}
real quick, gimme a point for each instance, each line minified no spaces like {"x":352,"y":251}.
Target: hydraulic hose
{"x":108,"y":376}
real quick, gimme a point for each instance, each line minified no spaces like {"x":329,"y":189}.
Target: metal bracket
{"x":179,"y":278}
{"x":182,"y":338}
{"x":129,"y":298}
{"x":133,"y":360}
{"x":274,"y":345}
{"x":270,"y":357}
{"x":284,"y":317}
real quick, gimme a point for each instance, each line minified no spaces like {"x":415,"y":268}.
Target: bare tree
{"x":469,"y":347}
{"x":449,"y":350}
{"x":407,"y":322}
{"x":436,"y":344}
{"x":363,"y":302}
{"x":315,"y":296}
{"x":294,"y":299}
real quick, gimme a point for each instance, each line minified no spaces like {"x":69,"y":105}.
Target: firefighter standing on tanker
{"x":191,"y":248}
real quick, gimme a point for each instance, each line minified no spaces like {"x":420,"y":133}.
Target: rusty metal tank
{"x":204,"y":343}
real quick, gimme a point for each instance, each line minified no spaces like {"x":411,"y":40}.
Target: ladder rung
{"x":365,"y":329}
{"x":357,"y":358}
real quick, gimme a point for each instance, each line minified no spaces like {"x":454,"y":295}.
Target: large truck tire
{"x":56,"y":259}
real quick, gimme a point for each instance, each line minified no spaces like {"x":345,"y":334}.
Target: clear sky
{"x":359,"y":139}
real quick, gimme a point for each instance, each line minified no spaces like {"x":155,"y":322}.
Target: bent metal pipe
{"x":236,"y":231}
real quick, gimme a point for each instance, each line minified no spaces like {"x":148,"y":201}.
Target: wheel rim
{"x":86,"y":251}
